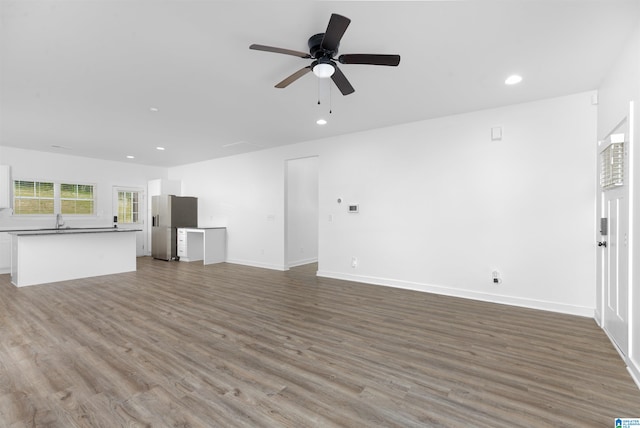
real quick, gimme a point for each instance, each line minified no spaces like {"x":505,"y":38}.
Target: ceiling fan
{"x":323,"y":48}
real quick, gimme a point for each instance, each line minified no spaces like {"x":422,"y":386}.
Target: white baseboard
{"x":3,"y":271}
{"x":634,"y":371}
{"x":597,"y":317}
{"x":302,"y":262}
{"x":633,"y":367}
{"x":467,"y":294}
{"x":256,"y":264}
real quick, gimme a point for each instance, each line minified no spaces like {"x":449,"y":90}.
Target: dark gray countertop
{"x":69,"y":231}
{"x":203,"y":228}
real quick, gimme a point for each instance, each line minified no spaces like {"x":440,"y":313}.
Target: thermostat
{"x":354,"y":208}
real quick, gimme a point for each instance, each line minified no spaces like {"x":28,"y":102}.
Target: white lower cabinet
{"x":182,"y":244}
{"x":206,"y":244}
{"x":5,"y":253}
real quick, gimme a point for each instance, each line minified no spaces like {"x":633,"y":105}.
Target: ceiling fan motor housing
{"x":317,"y":51}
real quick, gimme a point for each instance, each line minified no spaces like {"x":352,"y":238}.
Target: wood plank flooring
{"x":185,"y":345}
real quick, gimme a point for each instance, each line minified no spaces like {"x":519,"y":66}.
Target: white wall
{"x":33,"y":165}
{"x":441,"y":205}
{"x":244,"y":193}
{"x":621,"y":87}
{"x":302,"y":211}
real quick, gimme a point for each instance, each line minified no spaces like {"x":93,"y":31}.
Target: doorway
{"x":129,"y":212}
{"x":301,"y":211}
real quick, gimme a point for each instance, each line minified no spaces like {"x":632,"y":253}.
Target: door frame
{"x":287,"y":214}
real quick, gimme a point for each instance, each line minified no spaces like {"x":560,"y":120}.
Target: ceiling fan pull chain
{"x":319,"y":91}
{"x":330,"y":98}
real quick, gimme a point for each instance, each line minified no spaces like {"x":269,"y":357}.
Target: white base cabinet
{"x":206,"y":244}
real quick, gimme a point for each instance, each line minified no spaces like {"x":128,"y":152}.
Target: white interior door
{"x":614,"y":257}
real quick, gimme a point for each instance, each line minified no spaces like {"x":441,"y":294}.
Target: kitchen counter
{"x":41,"y":256}
{"x":68,"y":231}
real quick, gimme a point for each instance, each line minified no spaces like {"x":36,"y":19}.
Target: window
{"x":128,"y":207}
{"x":612,"y":166}
{"x":76,"y":199}
{"x":39,"y":197}
{"x":33,"y":197}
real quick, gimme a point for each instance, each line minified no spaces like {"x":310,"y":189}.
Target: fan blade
{"x":335,"y":30}
{"x":392,"y":60}
{"x":341,"y":82}
{"x":279,"y":50}
{"x":295,"y":76}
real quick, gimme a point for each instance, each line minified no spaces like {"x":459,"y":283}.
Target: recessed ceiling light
{"x":154,"y":109}
{"x":130,"y":157}
{"x":159,"y":148}
{"x":513,"y":79}
{"x":321,"y":122}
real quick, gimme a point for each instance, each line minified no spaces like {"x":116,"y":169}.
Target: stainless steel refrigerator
{"x":169,"y":212}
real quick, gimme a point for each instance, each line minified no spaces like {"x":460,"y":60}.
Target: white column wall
{"x":245,"y":194}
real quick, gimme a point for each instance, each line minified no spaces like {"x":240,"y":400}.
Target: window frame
{"x":57,"y":198}
{"x":77,"y":198}
{"x":140,"y":212}
{"x":16,"y":197}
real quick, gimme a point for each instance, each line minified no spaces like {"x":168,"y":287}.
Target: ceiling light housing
{"x":323,"y":68}
{"x":513,"y":79}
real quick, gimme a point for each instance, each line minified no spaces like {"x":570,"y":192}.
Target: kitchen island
{"x":51,"y":255}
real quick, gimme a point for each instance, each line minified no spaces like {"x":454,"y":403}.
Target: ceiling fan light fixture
{"x":514,"y":79}
{"x":324,"y":70}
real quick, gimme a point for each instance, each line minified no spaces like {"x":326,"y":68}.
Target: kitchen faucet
{"x":59,"y":221}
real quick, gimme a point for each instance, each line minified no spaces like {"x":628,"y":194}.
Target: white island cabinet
{"x":42,"y":256}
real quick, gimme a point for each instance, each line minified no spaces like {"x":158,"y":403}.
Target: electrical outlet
{"x":354,"y":262}
{"x":495,"y":275}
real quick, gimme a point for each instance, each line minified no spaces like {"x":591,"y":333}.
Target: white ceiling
{"x":84,"y":74}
